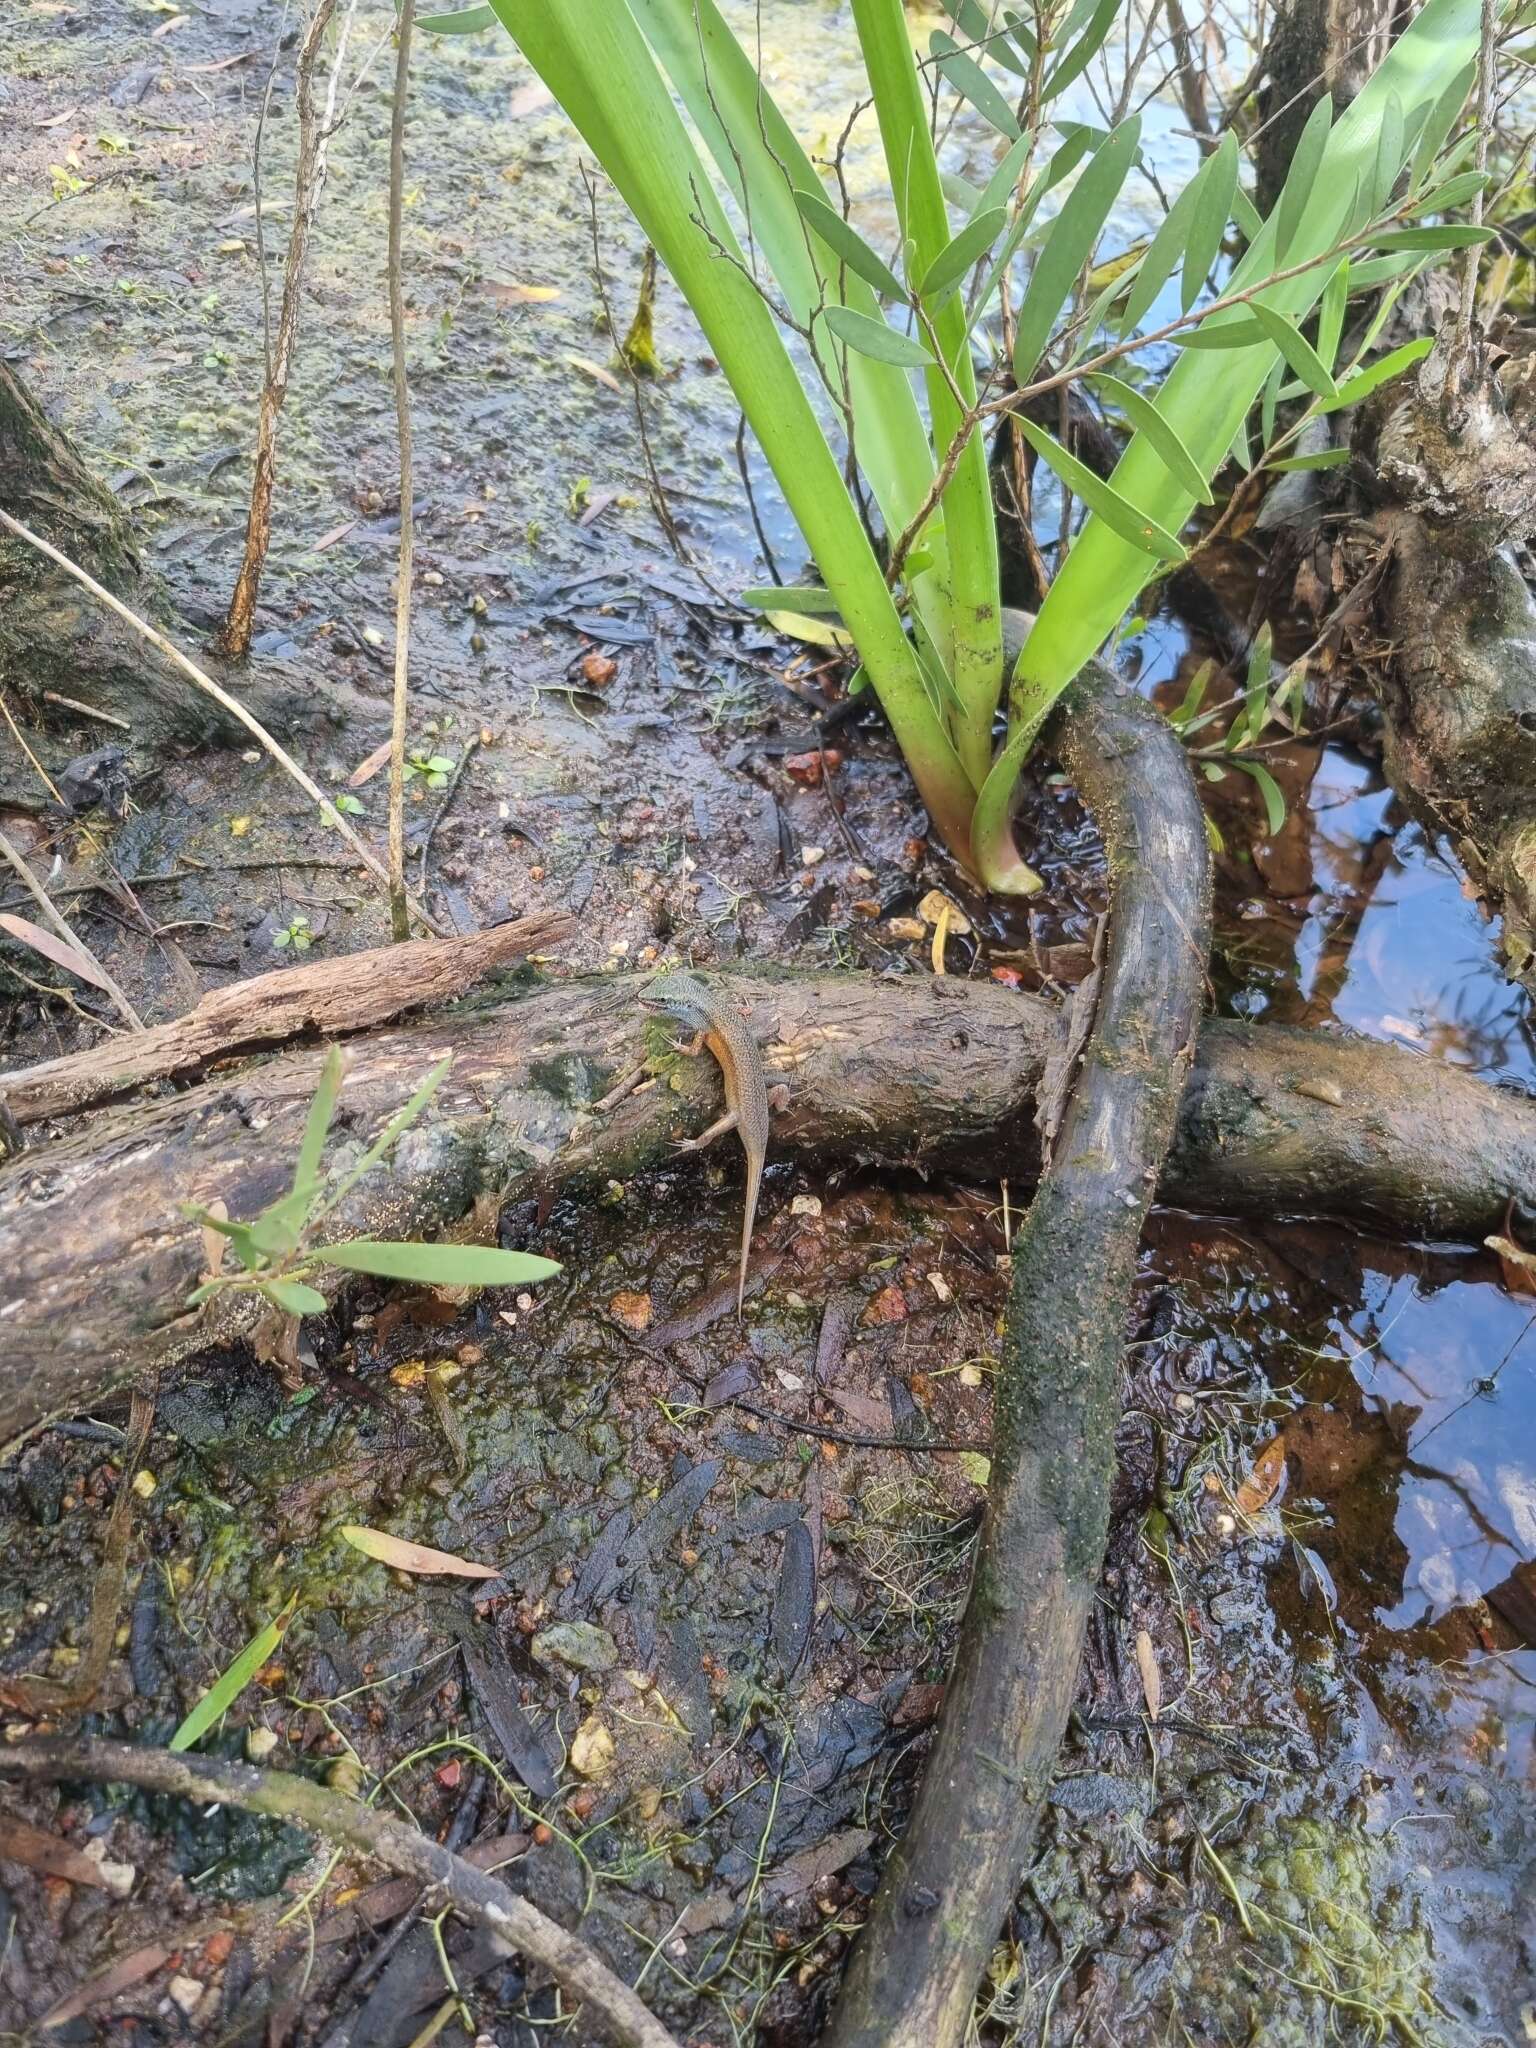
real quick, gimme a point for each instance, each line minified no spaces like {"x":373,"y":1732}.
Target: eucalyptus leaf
{"x":1100,"y":497}
{"x":875,"y":339}
{"x":1080,"y":53}
{"x":848,"y":244}
{"x":972,"y":83}
{"x":1365,"y":381}
{"x":1454,"y":192}
{"x":975,"y":21}
{"x":1442,"y":119}
{"x":950,"y":268}
{"x":1069,"y":246}
{"x":1297,"y":350}
{"x":1146,"y":419}
{"x":1447,"y":235}
{"x":1302,"y":175}
{"x":438,"y":1265}
{"x":1216,"y":181}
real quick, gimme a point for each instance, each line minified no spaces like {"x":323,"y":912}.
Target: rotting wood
{"x":923,"y":1074}
{"x":606,"y":2001}
{"x":947,"y":1882}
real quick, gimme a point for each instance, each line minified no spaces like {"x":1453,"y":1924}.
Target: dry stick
{"x":220,"y":696}
{"x":481,"y":1900}
{"x":234,"y":637}
{"x":71,"y":938}
{"x":399,"y":919}
{"x":1468,"y":305}
{"x":947,"y":1883}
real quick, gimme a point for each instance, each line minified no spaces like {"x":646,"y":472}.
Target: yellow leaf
{"x":412,"y":1557}
{"x":592,"y":1751}
{"x":1263,"y":1482}
{"x":801,"y":626}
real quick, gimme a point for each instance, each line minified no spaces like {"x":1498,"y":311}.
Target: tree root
{"x":947,"y":1882}
{"x":482,"y":1900}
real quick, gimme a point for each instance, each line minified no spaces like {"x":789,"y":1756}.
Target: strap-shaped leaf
{"x":1069,"y":246}
{"x":1389,"y":155}
{"x":438,"y":1265}
{"x":1216,"y":182}
{"x":1320,"y":458}
{"x":975,"y":21}
{"x":1065,"y":160}
{"x":846,"y":242}
{"x":874,"y":338}
{"x":1081,"y":53}
{"x":1302,"y":175}
{"x":1271,"y":400}
{"x":1365,"y":381}
{"x":1447,"y":235}
{"x":1022,"y":33}
{"x":808,"y":597}
{"x":318,"y":1122}
{"x":972,"y":83}
{"x":999,"y":187}
{"x":1250,"y":222}
{"x":464,"y":21}
{"x":1274,"y":797}
{"x":1330,"y":315}
{"x":1297,"y":350}
{"x":1146,"y":419}
{"x":1242,"y":333}
{"x":1102,"y":498}
{"x":955,"y":263}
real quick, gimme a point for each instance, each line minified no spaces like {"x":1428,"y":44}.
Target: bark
{"x":927,"y":1075}
{"x":947,"y":1883}
{"x":1316,"y":46}
{"x":1454,"y":459}
{"x":54,"y":638}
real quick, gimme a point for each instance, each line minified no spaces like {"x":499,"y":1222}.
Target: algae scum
{"x":694,"y":1700}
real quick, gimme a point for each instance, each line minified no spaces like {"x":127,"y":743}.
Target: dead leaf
{"x":1263,"y":1482}
{"x":936,"y":905}
{"x":329,"y":540}
{"x":1151,"y":1677}
{"x":109,"y":1983}
{"x":599,"y":670}
{"x":941,"y":935}
{"x":58,"y":950}
{"x":413,"y":1557}
{"x":366,"y":770}
{"x":1517,"y":1264}
{"x":215,"y":1243}
{"x":168,"y":27}
{"x":592,"y":1750}
{"x":530,"y":99}
{"x":47,"y":1854}
{"x":57,"y":120}
{"x":505,"y":291}
{"x":596,"y":372}
{"x":888,"y":1306}
{"x":632,"y":1310}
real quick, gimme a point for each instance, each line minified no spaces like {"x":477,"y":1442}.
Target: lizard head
{"x":681,"y":995}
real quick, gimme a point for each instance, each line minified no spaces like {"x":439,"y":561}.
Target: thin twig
{"x":482,"y":1900}
{"x":72,"y":939}
{"x":1485,"y":50}
{"x":399,"y":917}
{"x":220,"y":696}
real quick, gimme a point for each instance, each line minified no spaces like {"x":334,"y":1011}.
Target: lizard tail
{"x":754,"y":1181}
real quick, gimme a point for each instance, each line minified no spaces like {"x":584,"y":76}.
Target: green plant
{"x":278,"y":1258}
{"x":295,"y":936}
{"x":925,"y":618}
{"x":433,"y":769}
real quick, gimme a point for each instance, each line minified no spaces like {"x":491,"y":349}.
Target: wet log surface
{"x":936,"y":1075}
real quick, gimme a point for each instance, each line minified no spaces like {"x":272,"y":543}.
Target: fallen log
{"x":947,"y":1882}
{"x":926,"y":1074}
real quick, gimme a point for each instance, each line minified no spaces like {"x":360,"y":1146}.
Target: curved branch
{"x":476,"y":1897}
{"x":948,"y":1882}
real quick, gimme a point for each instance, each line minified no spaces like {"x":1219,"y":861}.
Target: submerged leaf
{"x":1263,"y":1482}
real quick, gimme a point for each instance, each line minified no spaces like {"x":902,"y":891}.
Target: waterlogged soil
{"x":689,"y":1708}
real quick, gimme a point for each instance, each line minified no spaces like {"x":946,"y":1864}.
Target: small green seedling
{"x":295,"y":936}
{"x":433,"y":769}
{"x":278,"y":1258}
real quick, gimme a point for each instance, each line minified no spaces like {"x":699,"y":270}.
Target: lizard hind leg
{"x":718,"y":1129}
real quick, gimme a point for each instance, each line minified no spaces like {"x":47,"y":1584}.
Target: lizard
{"x":715,"y":1023}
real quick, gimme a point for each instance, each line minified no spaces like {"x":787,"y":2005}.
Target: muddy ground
{"x":695,"y":1699}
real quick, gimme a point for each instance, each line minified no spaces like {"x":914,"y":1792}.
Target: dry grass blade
{"x":66,"y":949}
{"x":220,"y":696}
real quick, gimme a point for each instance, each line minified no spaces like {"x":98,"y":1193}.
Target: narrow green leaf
{"x":1442,"y":119}
{"x":1270,"y":400}
{"x":1261,"y":657}
{"x":295,"y":1298}
{"x":1274,"y":798}
{"x":848,"y":244}
{"x":1146,"y":419}
{"x":227,"y":1688}
{"x":1217,"y":180}
{"x":398,"y":1124}
{"x":1449,"y":235}
{"x":276,"y":1230}
{"x":1081,"y":53}
{"x":1454,"y":192}
{"x":1244,"y":332}
{"x":998,"y":189}
{"x":1100,"y":497}
{"x":875,"y":339}
{"x":438,"y":1265}
{"x":1330,"y":315}
{"x":464,"y":21}
{"x":1163,"y":254}
{"x":974,"y":20}
{"x":1250,"y":222}
{"x":1389,"y":155}
{"x":1320,"y":458}
{"x":1069,"y":246}
{"x":1194,"y":696}
{"x":950,"y":268}
{"x":318,"y":1122}
{"x":1297,"y":350}
{"x":1022,"y":33}
{"x":1375,"y":270}
{"x":1302,"y":175}
{"x":810,"y":598}
{"x":1365,"y":381}
{"x":1060,"y":166}
{"x":960,"y":191}
{"x":1241,"y":448}
{"x":972,"y":83}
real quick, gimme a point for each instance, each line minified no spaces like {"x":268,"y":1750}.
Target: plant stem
{"x":72,"y":939}
{"x":399,"y":913}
